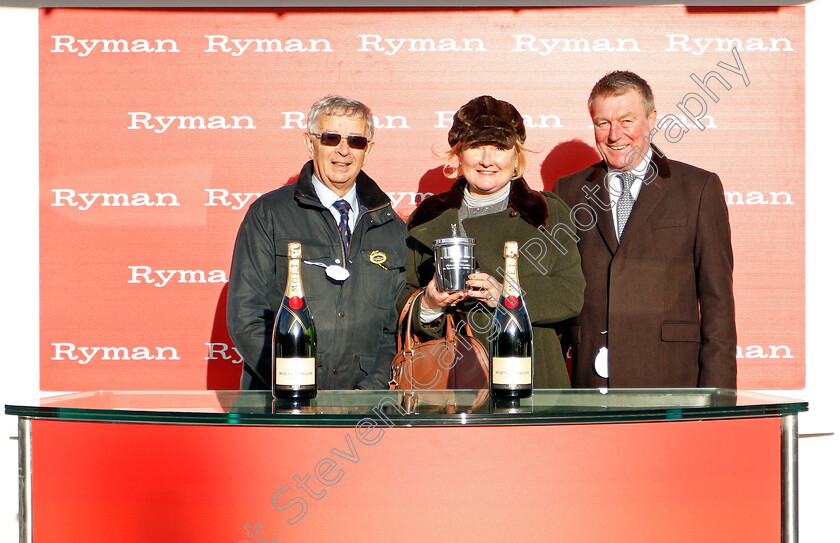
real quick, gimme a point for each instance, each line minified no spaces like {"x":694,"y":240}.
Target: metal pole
{"x":790,"y":478}
{"x":25,"y":479}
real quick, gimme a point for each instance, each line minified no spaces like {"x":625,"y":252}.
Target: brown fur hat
{"x":487,"y":120}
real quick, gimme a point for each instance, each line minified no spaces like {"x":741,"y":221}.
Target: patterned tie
{"x":343,"y":207}
{"x":625,"y":201}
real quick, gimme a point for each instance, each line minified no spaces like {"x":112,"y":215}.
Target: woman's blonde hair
{"x":452,"y":160}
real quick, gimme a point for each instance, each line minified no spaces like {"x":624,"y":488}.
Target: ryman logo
{"x":84,"y":355}
{"x":756,"y":198}
{"x":297,"y":120}
{"x":84,"y":47}
{"x":223,"y":351}
{"x":83,"y":201}
{"x":143,"y":120}
{"x":161,"y":278}
{"x":528,"y":43}
{"x":219,"y":43}
{"x":683,"y":43}
{"x":761,"y":351}
{"x":391,"y":46}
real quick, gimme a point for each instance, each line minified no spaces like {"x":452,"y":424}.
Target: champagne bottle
{"x":512,"y":337}
{"x":293,"y":370}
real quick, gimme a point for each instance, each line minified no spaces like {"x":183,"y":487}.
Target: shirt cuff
{"x":430,"y":315}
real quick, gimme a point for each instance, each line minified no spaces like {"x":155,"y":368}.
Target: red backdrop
{"x":158,"y":127}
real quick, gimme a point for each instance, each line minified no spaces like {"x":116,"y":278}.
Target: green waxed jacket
{"x":549,"y":265}
{"x":355,"y":320}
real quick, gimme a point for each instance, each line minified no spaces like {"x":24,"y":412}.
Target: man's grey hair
{"x":619,"y":82}
{"x":343,"y":106}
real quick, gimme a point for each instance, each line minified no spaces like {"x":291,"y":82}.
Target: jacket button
{"x":335,"y":371}
{"x":341,"y":314}
{"x":513,"y":213}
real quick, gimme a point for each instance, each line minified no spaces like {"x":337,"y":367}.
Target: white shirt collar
{"x":641,"y":169}
{"x":328,"y":197}
{"x":635,"y":187}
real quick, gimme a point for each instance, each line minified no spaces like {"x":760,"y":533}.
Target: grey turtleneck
{"x":477,"y":206}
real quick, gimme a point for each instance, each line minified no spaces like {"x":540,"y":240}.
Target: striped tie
{"x":343,"y":207}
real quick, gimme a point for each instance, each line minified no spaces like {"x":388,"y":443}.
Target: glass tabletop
{"x":404,"y":408}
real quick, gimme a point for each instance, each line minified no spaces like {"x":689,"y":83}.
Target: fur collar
{"x":531,"y":204}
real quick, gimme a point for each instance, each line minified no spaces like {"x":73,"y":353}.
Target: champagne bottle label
{"x":294,"y":372}
{"x":294,"y":287}
{"x":511,"y":370}
{"x":510,"y":286}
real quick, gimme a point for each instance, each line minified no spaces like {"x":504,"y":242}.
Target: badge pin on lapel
{"x":379,"y":258}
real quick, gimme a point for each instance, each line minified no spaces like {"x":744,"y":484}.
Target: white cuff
{"x":429,"y":315}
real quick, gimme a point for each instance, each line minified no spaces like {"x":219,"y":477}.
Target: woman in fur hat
{"x":491,"y":202}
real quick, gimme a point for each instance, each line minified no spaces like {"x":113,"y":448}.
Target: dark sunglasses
{"x":331,"y":139}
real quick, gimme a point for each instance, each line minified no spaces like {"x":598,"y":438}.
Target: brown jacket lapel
{"x":653,"y":190}
{"x":657,"y":181}
{"x":606,"y":226}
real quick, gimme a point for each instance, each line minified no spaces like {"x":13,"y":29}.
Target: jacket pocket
{"x":680,"y":331}
{"x":668,"y":221}
{"x":381,"y":271}
{"x":367,"y":363}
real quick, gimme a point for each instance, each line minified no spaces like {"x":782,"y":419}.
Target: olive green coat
{"x":549,"y":265}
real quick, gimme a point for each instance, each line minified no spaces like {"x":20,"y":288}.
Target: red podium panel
{"x":686,"y":481}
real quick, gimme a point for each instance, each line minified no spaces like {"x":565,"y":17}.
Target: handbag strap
{"x":452,"y":329}
{"x":407,"y":342}
{"x":410,"y":339}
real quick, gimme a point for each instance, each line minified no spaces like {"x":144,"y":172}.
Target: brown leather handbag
{"x":457,"y":360}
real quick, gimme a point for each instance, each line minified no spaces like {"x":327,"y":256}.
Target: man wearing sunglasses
{"x":354,"y":256}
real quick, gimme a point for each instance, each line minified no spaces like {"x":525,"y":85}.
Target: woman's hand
{"x":435,"y":299}
{"x":484,"y":287}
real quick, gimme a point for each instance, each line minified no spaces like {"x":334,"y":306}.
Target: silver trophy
{"x":454,"y":262}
